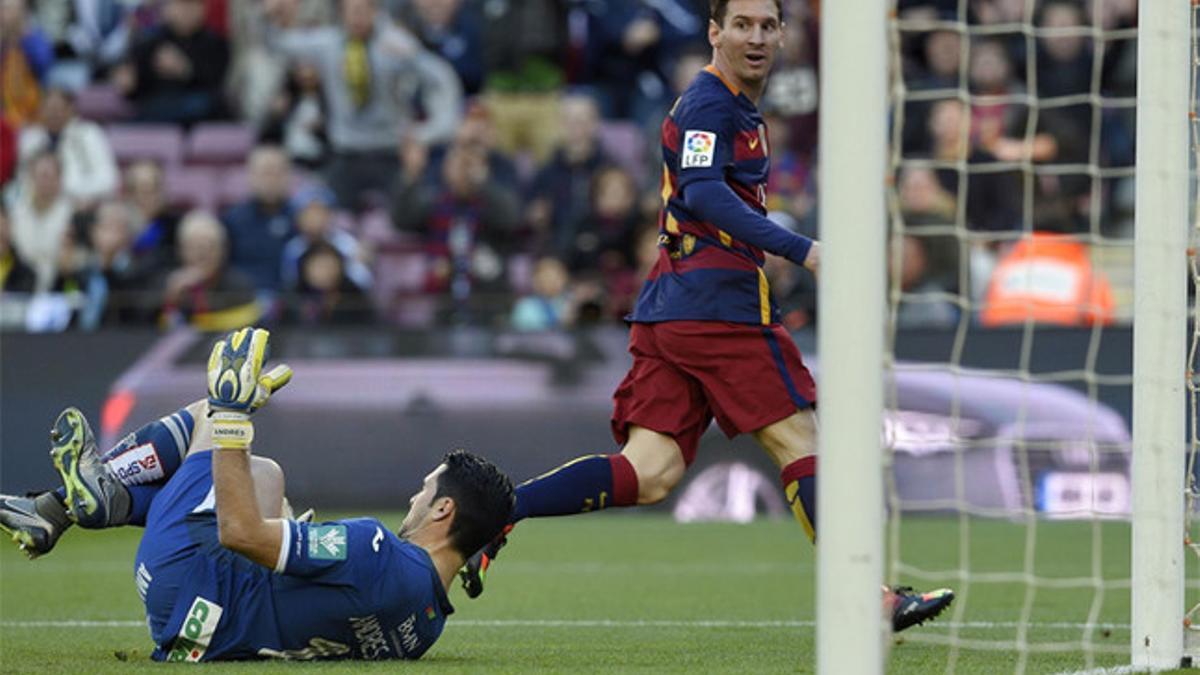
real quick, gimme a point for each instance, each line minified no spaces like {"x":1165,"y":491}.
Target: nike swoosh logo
{"x":911,"y":606}
{"x":754,"y":144}
{"x":378,"y":538}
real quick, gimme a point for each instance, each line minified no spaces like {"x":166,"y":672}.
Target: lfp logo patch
{"x":698,"y":148}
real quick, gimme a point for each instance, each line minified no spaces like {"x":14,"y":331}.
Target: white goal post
{"x":853,"y":157}
{"x":1160,"y":321}
{"x":853,"y":150}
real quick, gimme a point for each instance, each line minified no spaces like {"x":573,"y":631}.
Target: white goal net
{"x":1008,"y":426}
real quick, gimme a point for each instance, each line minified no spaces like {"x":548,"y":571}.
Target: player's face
{"x":358,"y":16}
{"x":419,"y":505}
{"x":749,"y":38}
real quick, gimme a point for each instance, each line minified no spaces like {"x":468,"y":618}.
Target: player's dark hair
{"x":483,"y":500}
{"x":716,"y":10}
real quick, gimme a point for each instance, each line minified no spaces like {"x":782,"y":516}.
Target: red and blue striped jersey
{"x":713,"y":132}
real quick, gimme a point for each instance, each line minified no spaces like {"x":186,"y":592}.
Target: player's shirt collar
{"x":712,"y":70}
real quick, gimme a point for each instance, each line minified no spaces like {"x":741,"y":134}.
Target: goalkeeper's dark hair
{"x":716,"y":10}
{"x":483,"y":500}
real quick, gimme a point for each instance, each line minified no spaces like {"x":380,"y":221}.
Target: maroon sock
{"x":800,"y":487}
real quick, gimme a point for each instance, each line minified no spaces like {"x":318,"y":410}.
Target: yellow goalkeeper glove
{"x":237,"y":387}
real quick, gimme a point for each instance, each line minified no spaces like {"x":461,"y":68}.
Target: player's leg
{"x":141,"y":463}
{"x":266,"y":473}
{"x":34,"y":522}
{"x":755,"y":382}
{"x":659,"y":415}
{"x":792,"y":444}
{"x":99,"y":490}
{"x":268,"y":486}
{"x":91,"y":493}
{"x":644,"y":472}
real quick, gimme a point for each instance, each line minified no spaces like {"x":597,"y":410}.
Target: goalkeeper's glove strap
{"x":232,"y":430}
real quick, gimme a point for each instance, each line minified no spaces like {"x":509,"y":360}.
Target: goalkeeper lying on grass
{"x":223,"y":570}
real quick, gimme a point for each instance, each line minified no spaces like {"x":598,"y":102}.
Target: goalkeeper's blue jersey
{"x":341,"y":589}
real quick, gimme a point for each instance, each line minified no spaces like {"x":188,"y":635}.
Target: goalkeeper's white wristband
{"x":232,"y":430}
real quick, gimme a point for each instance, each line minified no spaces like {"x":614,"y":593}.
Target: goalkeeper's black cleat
{"x":34,"y":523}
{"x":474,"y":572}
{"x":95,"y":497}
{"x":910,"y":608}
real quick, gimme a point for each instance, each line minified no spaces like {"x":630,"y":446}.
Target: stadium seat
{"x":102,"y":103}
{"x":414,"y":311}
{"x":625,"y":144}
{"x":235,"y":183}
{"x":400,"y":268}
{"x":219,"y":143}
{"x":161,"y":142}
{"x":400,"y":273}
{"x":192,"y":187}
{"x":375,"y":226}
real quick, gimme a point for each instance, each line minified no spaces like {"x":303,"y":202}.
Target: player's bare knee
{"x":198,"y":409}
{"x":657,"y":478}
{"x":790,"y":439}
{"x":657,"y":461}
{"x":268,"y":486}
{"x":655,"y":487}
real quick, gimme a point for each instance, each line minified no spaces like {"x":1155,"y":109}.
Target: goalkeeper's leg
{"x":139,"y":465}
{"x":120,"y":488}
{"x":91,"y":495}
{"x":98,"y":491}
{"x":266,"y":473}
{"x":146,"y":459}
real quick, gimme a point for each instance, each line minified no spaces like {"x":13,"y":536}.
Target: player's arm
{"x":240,"y":526}
{"x":714,"y":201}
{"x":706,"y":154}
{"x":236,"y":388}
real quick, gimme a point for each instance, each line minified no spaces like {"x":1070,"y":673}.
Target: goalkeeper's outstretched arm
{"x":240,"y":525}
{"x":236,"y":388}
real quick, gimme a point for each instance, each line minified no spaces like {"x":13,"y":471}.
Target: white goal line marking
{"x":615,"y":623}
{"x":1116,"y":670}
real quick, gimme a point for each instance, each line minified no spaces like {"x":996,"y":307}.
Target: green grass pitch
{"x":620,"y":593}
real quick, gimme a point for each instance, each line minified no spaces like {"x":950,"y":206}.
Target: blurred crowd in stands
{"x":496,"y":162}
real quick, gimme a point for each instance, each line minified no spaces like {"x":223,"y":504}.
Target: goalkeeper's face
{"x":421,"y":507}
{"x":748,"y":38}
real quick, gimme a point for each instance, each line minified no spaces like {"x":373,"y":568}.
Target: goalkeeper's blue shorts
{"x":180,"y":562}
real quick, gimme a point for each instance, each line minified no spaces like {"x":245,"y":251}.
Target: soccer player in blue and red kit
{"x":705,"y":337}
{"x":224,"y":572}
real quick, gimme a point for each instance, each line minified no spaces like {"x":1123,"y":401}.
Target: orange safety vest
{"x":1047,"y":278}
{"x":20,"y":94}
